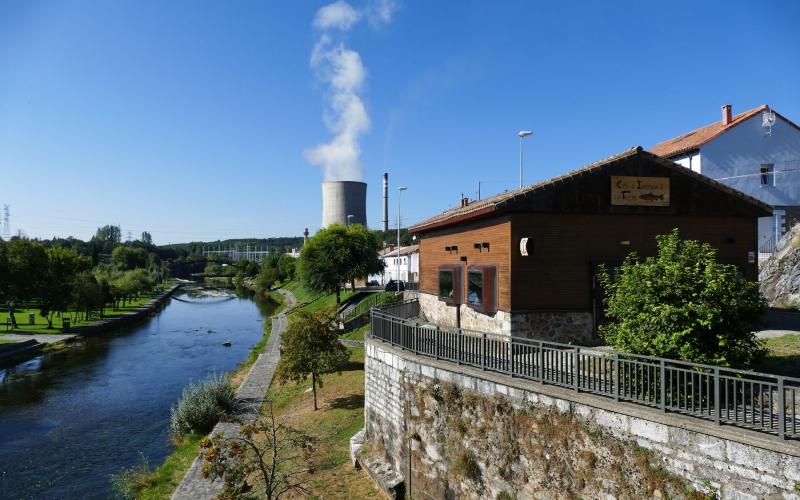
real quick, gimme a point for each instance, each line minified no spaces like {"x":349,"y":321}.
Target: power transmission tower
{"x":6,"y":222}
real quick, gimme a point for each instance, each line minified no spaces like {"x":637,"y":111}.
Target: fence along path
{"x":759,"y":401}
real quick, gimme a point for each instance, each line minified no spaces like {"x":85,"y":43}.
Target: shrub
{"x":683,"y":304}
{"x":202,"y":405}
{"x":128,"y":483}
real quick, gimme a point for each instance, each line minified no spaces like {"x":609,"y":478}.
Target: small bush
{"x":465,"y":465}
{"x":201,"y":406}
{"x":128,"y":483}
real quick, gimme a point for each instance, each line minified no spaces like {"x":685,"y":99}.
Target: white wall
{"x":690,"y":161}
{"x":409,"y":269}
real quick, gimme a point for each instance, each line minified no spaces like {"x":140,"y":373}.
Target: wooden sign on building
{"x":640,"y":191}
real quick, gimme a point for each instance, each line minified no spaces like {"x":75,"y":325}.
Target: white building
{"x":756,"y":152}
{"x":405,"y":265}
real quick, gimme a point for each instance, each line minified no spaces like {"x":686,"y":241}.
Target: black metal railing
{"x":373,"y":300}
{"x":766,"y":250}
{"x":759,"y":401}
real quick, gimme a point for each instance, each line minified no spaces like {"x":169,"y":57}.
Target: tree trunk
{"x":13,"y":318}
{"x":338,"y":296}
{"x":314,"y":388}
{"x":353,"y":285}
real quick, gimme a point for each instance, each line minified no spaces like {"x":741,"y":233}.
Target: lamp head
{"x":525,"y":133}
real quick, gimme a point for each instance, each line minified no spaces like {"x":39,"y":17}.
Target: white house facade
{"x":756,"y":152}
{"x":404,"y":266}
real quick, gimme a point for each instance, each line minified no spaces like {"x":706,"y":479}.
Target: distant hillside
{"x":282,"y":242}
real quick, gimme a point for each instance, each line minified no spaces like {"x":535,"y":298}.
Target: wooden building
{"x":524,"y":262}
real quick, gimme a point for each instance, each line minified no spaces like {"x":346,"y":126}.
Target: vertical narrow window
{"x":767,"y":174}
{"x":475,"y":288}
{"x":446,"y":284}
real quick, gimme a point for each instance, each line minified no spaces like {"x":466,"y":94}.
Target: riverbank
{"x":24,"y":345}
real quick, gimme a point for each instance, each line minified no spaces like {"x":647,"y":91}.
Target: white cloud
{"x":339,"y":15}
{"x":381,"y":11}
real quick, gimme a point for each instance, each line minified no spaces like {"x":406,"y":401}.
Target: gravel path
{"x":250,"y":397}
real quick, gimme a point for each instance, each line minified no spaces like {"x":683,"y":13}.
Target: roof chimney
{"x":727,"y":115}
{"x":464,"y":200}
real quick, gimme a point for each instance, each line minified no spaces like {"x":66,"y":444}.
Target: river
{"x":69,"y":419}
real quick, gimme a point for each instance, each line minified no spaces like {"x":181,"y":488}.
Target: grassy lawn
{"x":358,"y":333}
{"x":168,"y":476}
{"x":341,"y":415}
{"x":4,"y":341}
{"x":784,"y":356}
{"x":314,"y":300}
{"x":40,"y":323}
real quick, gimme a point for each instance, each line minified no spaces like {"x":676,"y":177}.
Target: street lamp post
{"x":349,"y":216}
{"x":522,"y":135}
{"x":400,"y":189}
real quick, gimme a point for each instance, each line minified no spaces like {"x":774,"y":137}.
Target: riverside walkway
{"x":250,"y":398}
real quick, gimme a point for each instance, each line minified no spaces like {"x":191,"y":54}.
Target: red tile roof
{"x":696,"y":138}
{"x":478,"y":208}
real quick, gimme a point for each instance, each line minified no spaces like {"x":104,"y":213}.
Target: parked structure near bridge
{"x":525,"y":262}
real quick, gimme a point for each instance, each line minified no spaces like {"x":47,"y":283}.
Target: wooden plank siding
{"x":496,"y":232}
{"x":558,"y":275}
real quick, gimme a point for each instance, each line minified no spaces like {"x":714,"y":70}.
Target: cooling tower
{"x":343,"y":198}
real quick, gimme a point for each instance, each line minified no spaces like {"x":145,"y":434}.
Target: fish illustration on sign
{"x":651,"y":197}
{"x":640,"y":191}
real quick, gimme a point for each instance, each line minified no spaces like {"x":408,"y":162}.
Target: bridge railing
{"x":759,"y":401}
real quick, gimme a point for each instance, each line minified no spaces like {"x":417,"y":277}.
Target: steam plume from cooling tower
{"x":342,"y":70}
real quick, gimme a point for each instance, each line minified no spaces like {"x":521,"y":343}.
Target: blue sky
{"x":194,"y":120}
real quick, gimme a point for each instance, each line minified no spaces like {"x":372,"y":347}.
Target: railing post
{"x":662,"y":385}
{"x":717,"y":409}
{"x":781,"y":409}
{"x":576,"y":368}
{"x":616,"y":376}
{"x":458,"y":346}
{"x":436,"y":344}
{"x":483,"y":352}
{"x":415,"y":338}
{"x":510,"y":351}
{"x":540,"y":362}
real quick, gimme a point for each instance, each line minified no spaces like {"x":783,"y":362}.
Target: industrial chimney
{"x":385,"y":202}
{"x":343,"y":198}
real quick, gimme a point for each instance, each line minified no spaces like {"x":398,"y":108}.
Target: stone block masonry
{"x":457,"y":432}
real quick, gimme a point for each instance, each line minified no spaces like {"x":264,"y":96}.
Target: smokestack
{"x":305,"y":237}
{"x":385,"y":202}
{"x":727,"y":115}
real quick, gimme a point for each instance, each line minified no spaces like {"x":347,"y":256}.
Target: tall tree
{"x":26,"y":272}
{"x":364,"y":247}
{"x":63,"y":266}
{"x":325,"y":263}
{"x":310,"y":348}
{"x":127,"y":258}
{"x":147,"y":239}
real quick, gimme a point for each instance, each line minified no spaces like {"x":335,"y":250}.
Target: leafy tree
{"x":127,"y":258}
{"x":363,"y":248}
{"x":325,"y":263}
{"x":63,"y":266}
{"x":266,"y":277}
{"x":310,"y":348}
{"x":286,"y":266}
{"x":683,"y":304}
{"x":147,"y":238}
{"x":279,"y":455}
{"x":88,"y":295}
{"x":26,"y":270}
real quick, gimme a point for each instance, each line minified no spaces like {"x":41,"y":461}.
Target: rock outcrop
{"x":779,"y":278}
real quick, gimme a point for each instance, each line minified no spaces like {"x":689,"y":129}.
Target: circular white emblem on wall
{"x":525,"y":246}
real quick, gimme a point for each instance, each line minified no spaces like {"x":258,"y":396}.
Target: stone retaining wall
{"x":555,"y":326}
{"x":474,"y":434}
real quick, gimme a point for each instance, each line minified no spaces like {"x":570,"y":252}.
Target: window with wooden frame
{"x":482,"y":288}
{"x":450,"y":284}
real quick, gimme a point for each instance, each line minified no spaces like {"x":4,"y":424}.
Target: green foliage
{"x":126,"y":258}
{"x":202,"y":405}
{"x":129,"y":482}
{"x":683,"y":304}
{"x":310,"y":348}
{"x":267,"y":276}
{"x":287,"y":266}
{"x":337,"y":255}
{"x":63,"y":268}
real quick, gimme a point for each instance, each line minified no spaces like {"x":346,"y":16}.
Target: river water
{"x":69,"y":419}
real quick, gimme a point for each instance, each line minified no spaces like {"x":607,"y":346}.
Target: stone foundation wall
{"x":456,"y":432}
{"x":555,"y":326}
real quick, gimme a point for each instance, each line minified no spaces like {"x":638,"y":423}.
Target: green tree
{"x":127,"y":258}
{"x":267,"y":276}
{"x":63,"y":266}
{"x":310,"y":348}
{"x":147,"y":238}
{"x":286,"y":266}
{"x":363,"y":248}
{"x":26,"y":271}
{"x":683,"y":304}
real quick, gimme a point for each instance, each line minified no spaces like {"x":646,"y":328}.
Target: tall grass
{"x":201,"y":406}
